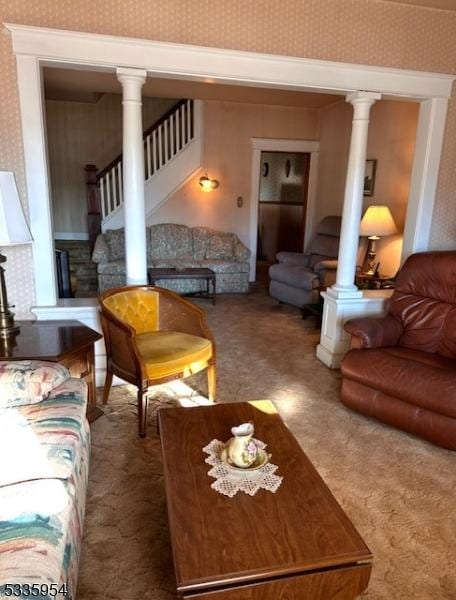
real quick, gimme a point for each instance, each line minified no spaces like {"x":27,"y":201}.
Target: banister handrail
{"x":146,"y":133}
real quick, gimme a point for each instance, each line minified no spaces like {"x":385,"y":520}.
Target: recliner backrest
{"x":325,"y":244}
{"x":424,"y":301}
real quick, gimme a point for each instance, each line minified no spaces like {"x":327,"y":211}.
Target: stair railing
{"x":164,"y":140}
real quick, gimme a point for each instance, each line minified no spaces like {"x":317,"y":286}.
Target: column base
{"x":338,"y":308}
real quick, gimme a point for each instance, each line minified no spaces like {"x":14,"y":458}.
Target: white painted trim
{"x":29,"y":78}
{"x":423,"y":183}
{"x":335,"y":341}
{"x":70,"y":235}
{"x":230,"y":66}
{"x":35,"y":45}
{"x":260,"y":145}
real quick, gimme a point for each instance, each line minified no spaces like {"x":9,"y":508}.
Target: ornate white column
{"x":343,"y":300}
{"x":132,"y":81}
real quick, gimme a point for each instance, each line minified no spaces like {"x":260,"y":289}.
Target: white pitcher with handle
{"x":242,"y":450}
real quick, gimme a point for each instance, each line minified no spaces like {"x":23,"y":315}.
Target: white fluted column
{"x":132,"y":81}
{"x":343,"y":300}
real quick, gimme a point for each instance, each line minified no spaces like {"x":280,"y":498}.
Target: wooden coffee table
{"x":154,"y":274}
{"x":297,"y":543}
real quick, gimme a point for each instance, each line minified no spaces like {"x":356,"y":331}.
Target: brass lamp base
{"x":370,"y":265}
{"x":7,"y":327}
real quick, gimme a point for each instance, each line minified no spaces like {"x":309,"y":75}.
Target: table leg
{"x":93,"y":411}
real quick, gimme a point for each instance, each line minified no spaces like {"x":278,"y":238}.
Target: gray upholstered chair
{"x":298,"y":278}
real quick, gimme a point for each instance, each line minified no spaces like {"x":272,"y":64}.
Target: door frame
{"x":35,"y":47}
{"x":260,"y":145}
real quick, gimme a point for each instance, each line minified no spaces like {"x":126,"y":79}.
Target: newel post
{"x":93,"y":205}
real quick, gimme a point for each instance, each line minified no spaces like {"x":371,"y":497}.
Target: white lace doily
{"x":229,"y":482}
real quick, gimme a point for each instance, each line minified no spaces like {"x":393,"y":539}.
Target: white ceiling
{"x":87,"y":86}
{"x":444,"y":4}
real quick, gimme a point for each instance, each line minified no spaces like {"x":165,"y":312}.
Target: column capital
{"x":127,"y":74}
{"x":367,"y":98}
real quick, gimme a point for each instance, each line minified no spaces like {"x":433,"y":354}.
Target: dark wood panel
{"x":218,"y":540}
{"x":343,"y":584}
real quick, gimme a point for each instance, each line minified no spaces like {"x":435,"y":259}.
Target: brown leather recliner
{"x":402,"y":367}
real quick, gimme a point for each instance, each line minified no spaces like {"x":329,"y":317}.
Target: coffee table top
{"x":173,"y":273}
{"x":218,"y":540}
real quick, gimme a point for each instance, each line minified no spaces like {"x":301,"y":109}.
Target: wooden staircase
{"x":172,"y":154}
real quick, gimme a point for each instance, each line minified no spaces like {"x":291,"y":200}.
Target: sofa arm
{"x":295,"y":259}
{"x":241,"y":252}
{"x":371,"y":332}
{"x":100,"y":252}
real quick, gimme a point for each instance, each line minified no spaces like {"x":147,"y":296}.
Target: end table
{"x":70,"y":343}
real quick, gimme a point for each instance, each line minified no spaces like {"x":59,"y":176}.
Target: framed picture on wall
{"x":369,"y":177}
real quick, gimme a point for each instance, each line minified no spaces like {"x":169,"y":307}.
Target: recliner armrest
{"x":329,"y":264}
{"x":369,"y":332}
{"x":293,"y":258}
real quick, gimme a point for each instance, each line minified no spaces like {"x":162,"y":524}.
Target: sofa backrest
{"x":325,"y":244}
{"x":168,"y":240}
{"x":424,"y":301}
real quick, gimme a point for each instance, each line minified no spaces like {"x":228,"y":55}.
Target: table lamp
{"x":13,"y":231}
{"x":376,"y":223}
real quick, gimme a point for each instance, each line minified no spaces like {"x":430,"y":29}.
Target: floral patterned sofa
{"x":170,"y":245}
{"x":44,"y":450}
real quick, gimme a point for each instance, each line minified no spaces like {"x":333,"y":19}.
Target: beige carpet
{"x":400,"y":492}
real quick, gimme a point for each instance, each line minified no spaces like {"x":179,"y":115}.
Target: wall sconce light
{"x":207,"y":185}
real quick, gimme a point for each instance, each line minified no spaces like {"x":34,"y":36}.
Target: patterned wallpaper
{"x":358,"y":31}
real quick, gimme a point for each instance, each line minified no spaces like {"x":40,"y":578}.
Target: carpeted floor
{"x":399,"y":491}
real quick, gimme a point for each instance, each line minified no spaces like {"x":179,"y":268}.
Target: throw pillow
{"x":29,"y":381}
{"x":220,"y":246}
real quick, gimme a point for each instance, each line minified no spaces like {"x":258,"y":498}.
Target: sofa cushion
{"x":169,"y":352}
{"x":299,"y":277}
{"x":221,"y":246}
{"x":392,"y":370}
{"x":225,"y":266}
{"x":172,"y":263}
{"x":34,"y":530}
{"x":45,"y":440}
{"x":168,"y":240}
{"x":201,"y":236}
{"x":29,"y":381}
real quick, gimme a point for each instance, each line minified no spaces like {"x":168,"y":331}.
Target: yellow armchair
{"x":153,"y":336}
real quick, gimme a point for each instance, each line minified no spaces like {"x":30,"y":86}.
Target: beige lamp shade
{"x":378,"y":222}
{"x":13,"y":226}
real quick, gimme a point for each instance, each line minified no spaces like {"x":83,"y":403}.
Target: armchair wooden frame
{"x":124,"y":359}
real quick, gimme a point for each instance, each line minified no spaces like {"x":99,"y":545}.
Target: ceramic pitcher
{"x":242,"y":450}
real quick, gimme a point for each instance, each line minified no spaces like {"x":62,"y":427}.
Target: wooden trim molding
{"x":260,"y":145}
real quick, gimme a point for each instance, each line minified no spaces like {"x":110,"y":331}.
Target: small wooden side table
{"x":373,"y":282}
{"x":68,"y":342}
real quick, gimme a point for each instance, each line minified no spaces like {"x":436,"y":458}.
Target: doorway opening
{"x":282,"y":206}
